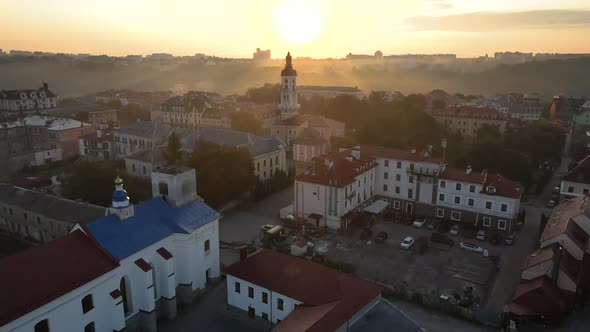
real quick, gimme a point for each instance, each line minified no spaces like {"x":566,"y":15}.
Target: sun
{"x":298,"y":21}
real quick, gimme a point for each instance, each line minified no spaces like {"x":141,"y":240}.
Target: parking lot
{"x":438,"y":270}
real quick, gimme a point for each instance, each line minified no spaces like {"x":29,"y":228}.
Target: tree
{"x":268,"y":93}
{"x":173,"y":154}
{"x":438,"y":104}
{"x":244,"y":121}
{"x":223,"y":173}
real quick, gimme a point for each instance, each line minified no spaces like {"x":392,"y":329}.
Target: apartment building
{"x":576,"y":182}
{"x":468,"y":120}
{"x":27,"y":100}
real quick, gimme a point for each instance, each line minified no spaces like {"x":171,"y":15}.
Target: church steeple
{"x":120,"y":203}
{"x":288,"y":106}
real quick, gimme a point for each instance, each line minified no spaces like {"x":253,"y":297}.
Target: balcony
{"x":422,"y":172}
{"x":350,"y":195}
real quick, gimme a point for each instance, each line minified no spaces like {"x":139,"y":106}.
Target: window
{"x":585,"y":191}
{"x":440,"y":213}
{"x":488,"y":205}
{"x":264,"y":316}
{"x":386,"y":162}
{"x":384,"y":187}
{"x":280,"y":304}
{"x":250,"y":292}
{"x":207,"y":246}
{"x":470,"y":202}
{"x":264,"y":297}
{"x":455,"y":215}
{"x":397,"y":190}
{"x":258,"y":166}
{"x":264,"y":163}
{"x":396,"y":205}
{"x":87,"y":304}
{"x":487,"y":221}
{"x":270,"y":162}
{"x":502,"y":224}
{"x":277,"y":160}
{"x":398,"y":177}
{"x":457,"y":199}
{"x":42,"y":326}
{"x":399,"y":164}
{"x":411,"y":179}
{"x":471,"y":188}
{"x":144,"y":170}
{"x":25,"y":215}
{"x":458,"y":186}
{"x":570,"y":189}
{"x":410,"y":193}
{"x":89,"y":327}
{"x":237,"y":287}
{"x":38,"y":220}
{"x":441,"y":197}
{"x":412,"y":166}
{"x":504,"y":207}
{"x":385,"y":175}
{"x":443,"y":184}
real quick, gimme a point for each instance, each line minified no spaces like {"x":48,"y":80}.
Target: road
{"x":509,"y":276}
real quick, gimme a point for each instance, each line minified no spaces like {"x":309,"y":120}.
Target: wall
{"x":569,"y":245}
{"x":68,"y":140}
{"x":142,"y":168}
{"x":579,"y":189}
{"x":36,"y":226}
{"x":266,"y":165}
{"x":242,"y":301}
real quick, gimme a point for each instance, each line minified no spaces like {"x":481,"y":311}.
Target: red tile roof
{"x":399,"y":154}
{"x":503,"y":187}
{"x":538,"y":297}
{"x":42,"y":274}
{"x":461,"y":175}
{"x":338,"y":170}
{"x":310,"y":283}
{"x":538,"y":257}
{"x":561,"y":216}
{"x":471,"y":112}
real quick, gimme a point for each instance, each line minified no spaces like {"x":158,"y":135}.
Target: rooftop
{"x":41,"y":274}
{"x":148,"y":129}
{"x":152,"y":221}
{"x":538,"y":297}
{"x":346,"y":89}
{"x":330,"y":297}
{"x":53,"y":207}
{"x":257,"y":145}
{"x":471,"y":112}
{"x":561,"y":217}
{"x":580,"y":173}
{"x":146,"y":155}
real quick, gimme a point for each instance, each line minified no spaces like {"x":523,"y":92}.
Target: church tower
{"x":120,"y":204}
{"x":288,"y":106}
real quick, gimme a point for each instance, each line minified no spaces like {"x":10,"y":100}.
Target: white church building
{"x":148,"y":257}
{"x":289,"y":106}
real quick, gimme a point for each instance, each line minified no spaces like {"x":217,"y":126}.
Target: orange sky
{"x":318,"y":28}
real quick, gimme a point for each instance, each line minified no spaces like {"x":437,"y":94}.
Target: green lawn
{"x":10,"y":246}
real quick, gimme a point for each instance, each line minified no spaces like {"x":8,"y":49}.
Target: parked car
{"x":407,"y":243}
{"x":509,"y":240}
{"x":495,"y":238}
{"x":556,"y":190}
{"x":418,"y":223}
{"x":551,"y":203}
{"x":454,"y":230}
{"x":430,"y":225}
{"x":470,"y":247}
{"x":481,"y":235}
{"x":381,"y":237}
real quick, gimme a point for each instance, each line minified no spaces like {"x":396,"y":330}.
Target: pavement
{"x":210,"y":314}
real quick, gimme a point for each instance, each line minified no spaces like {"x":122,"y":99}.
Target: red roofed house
{"x":68,"y":284}
{"x":562,"y":263}
{"x":337,"y":186}
{"x":467,"y":119}
{"x":289,"y":129}
{"x":298,"y":295}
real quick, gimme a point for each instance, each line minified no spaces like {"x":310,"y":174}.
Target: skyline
{"x":319,"y":29}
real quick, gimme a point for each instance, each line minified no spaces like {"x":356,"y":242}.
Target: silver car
{"x":471,"y":247}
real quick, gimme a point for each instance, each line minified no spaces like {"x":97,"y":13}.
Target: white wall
{"x":65,"y":313}
{"x":569,"y":245}
{"x":242,"y":301}
{"x":579,"y":189}
{"x":266,"y":164}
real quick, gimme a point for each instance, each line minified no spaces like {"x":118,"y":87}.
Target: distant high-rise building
{"x":288,"y":106}
{"x":261,"y":55}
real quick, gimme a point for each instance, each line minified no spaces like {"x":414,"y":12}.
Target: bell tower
{"x":288,"y":106}
{"x":120,"y":204}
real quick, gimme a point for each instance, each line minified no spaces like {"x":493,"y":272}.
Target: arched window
{"x":207,"y":246}
{"x":89,"y":327}
{"x":87,"y":304}
{"x":125,"y":296}
{"x":42,"y":326}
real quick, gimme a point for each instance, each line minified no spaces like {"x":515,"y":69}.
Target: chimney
{"x":413,"y":151}
{"x":468,"y":170}
{"x":45,"y":86}
{"x":243,"y":253}
{"x":356,"y":153}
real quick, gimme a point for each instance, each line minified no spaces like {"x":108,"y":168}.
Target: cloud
{"x":443,"y":5}
{"x":498,"y":21}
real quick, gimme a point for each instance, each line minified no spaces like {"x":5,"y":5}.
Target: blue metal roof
{"x":152,"y":221}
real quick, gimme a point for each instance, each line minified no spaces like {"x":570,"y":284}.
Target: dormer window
{"x":491,"y":189}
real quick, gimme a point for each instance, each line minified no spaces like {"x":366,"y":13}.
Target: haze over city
{"x":323,"y":28}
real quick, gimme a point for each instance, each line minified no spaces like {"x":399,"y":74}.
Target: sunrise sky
{"x":318,"y":28}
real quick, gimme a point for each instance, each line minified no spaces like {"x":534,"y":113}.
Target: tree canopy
{"x":173,"y":154}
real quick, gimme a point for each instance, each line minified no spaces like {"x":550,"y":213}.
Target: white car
{"x":418,"y":223}
{"x":454,"y":230}
{"x":407,"y":243}
{"x":470,"y":247}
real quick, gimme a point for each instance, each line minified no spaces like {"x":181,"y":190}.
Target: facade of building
{"x":576,"y":182}
{"x":143,"y":163}
{"x":153,"y":255}
{"x":289,"y":106}
{"x":27,"y":101}
{"x":100,"y":118}
{"x":261,"y":55}
{"x":523,"y":107}
{"x":338,"y":186}
{"x":582,"y":116}
{"x":41,"y":217}
{"x":564,"y":107}
{"x":308,"y":91}
{"x":289,"y":129}
{"x":195,"y":109}
{"x":99,"y":145}
{"x":298,"y":295}
{"x":140,"y":136}
{"x":468,"y":120}
{"x":62,"y":131}
{"x":308,"y":145}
